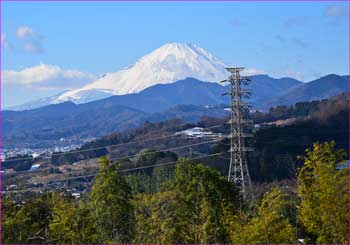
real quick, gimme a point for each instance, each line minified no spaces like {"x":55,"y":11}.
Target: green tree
{"x":188,"y":209}
{"x":110,"y":202}
{"x":160,"y":218}
{"x":205,"y":193}
{"x":324,"y":190}
{"x":268,"y":226}
{"x":141,"y":182}
{"x":162,"y":175}
{"x":9,"y":224}
{"x":30,"y":224}
{"x":72,"y":221}
{"x":85,"y":227}
{"x":143,"y":212}
{"x":62,"y":222}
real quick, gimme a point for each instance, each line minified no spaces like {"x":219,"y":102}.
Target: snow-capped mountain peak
{"x":169,"y":63}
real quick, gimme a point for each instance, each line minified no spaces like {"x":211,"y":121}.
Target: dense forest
{"x":190,"y":203}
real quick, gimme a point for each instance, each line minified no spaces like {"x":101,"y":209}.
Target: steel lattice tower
{"x":238,"y":170}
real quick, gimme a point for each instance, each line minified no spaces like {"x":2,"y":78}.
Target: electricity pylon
{"x":238,"y":170}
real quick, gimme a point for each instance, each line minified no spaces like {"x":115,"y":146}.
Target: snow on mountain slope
{"x":34,"y":104}
{"x":169,"y":63}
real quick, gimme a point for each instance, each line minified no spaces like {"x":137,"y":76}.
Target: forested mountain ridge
{"x":285,"y":131}
{"x":322,"y":88}
{"x":188,"y":99}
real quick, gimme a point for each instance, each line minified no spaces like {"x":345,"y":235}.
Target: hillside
{"x":51,"y":123}
{"x":188,"y":99}
{"x":48,"y":124}
{"x":276,"y":147}
{"x":318,"y":89}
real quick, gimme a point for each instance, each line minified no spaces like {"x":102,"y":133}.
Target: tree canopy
{"x":323,"y":188}
{"x":189,"y":203}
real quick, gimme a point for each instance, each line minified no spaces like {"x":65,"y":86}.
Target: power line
{"x":150,"y":152}
{"x":167,"y":163}
{"x":174,"y":148}
{"x":122,"y":170}
{"x":115,"y":145}
{"x":119,"y":144}
{"x":167,"y":149}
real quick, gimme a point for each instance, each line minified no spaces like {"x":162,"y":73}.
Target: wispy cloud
{"x":252,"y":71}
{"x":32,"y":40}
{"x":235,"y":22}
{"x":295,"y":74}
{"x":46,"y":77}
{"x":33,"y":47}
{"x":295,"y":22}
{"x":281,"y":39}
{"x":289,"y":73}
{"x":4,"y":42}
{"x":337,"y":10}
{"x":299,"y":42}
{"x":291,"y":41}
{"x":25,"y":32}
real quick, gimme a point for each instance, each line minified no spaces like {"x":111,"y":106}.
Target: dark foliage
{"x":18,"y":163}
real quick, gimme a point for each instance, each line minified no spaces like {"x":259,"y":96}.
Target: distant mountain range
{"x":188,"y":99}
{"x":176,"y":80}
{"x":46,"y":126}
{"x":318,"y":89}
{"x":191,"y":91}
{"x":160,"y":97}
{"x":266,"y":92}
{"x":148,"y":80}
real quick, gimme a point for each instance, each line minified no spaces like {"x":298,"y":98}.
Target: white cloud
{"x":25,"y":31}
{"x":46,"y":77}
{"x":295,"y":74}
{"x":252,"y":71}
{"x":289,"y":73}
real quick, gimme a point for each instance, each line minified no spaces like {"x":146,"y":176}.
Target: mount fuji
{"x":169,"y":63}
{"x":179,"y":64}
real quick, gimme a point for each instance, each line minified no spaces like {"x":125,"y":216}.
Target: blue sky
{"x":304,"y":40}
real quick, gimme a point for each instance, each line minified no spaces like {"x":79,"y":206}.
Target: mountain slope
{"x":318,"y":89}
{"x":326,"y":121}
{"x":161,"y":97}
{"x":34,"y":104}
{"x":67,"y":120}
{"x":116,"y":113}
{"x":265,"y":88}
{"x":278,"y":85}
{"x":191,"y":91}
{"x":167,"y":64}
